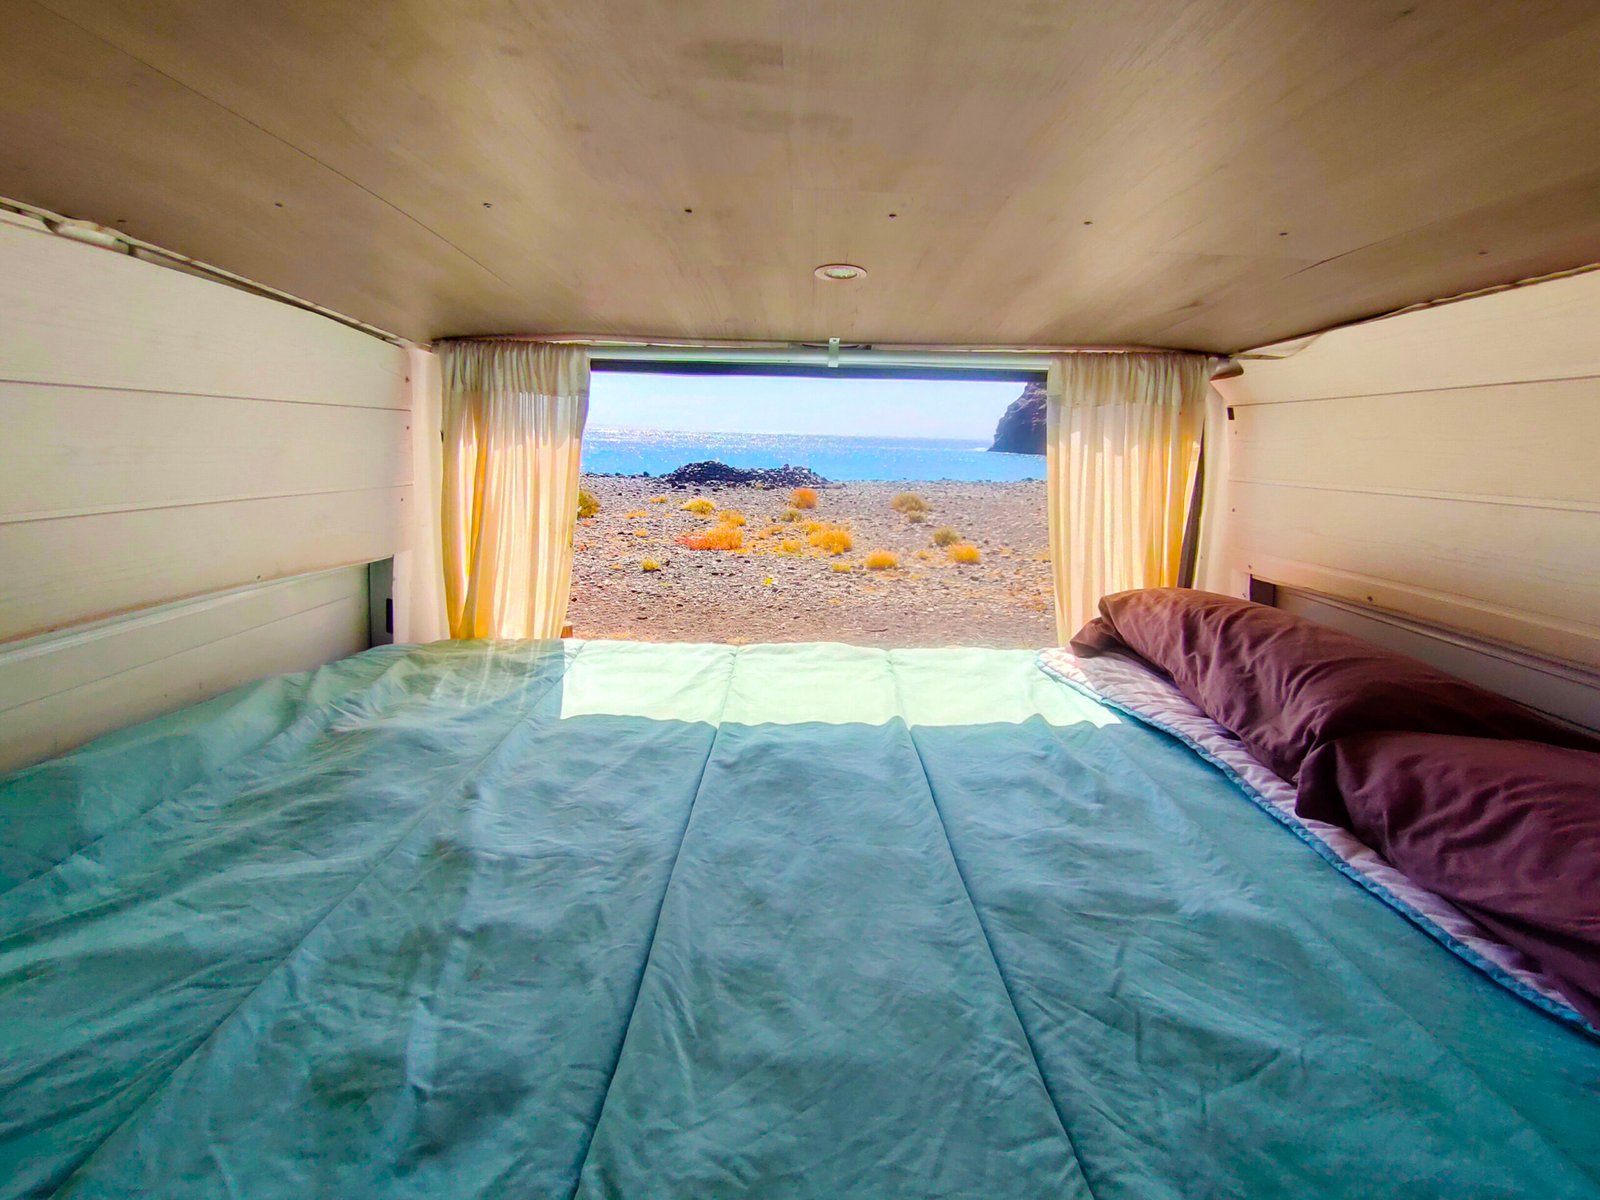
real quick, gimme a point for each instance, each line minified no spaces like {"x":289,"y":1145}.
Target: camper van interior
{"x":330,"y":867}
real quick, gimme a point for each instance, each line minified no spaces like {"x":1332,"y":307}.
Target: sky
{"x":774,"y":404}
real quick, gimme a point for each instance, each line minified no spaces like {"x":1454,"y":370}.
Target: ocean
{"x":657,"y":451}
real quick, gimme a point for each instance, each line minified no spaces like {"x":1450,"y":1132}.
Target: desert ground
{"x":803,"y":574}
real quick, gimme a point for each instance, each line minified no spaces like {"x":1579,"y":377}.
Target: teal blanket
{"x":615,"y":920}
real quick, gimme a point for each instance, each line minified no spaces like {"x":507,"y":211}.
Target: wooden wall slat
{"x":1548,"y":330}
{"x":91,"y":567}
{"x":82,"y":315}
{"x":78,"y":450}
{"x":1535,"y":443}
{"x":55,"y":698}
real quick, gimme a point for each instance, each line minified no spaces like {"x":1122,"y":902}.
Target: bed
{"x":620,"y":920}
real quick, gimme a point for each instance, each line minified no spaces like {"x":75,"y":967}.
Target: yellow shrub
{"x":731,"y":516}
{"x":649,"y":564}
{"x":789,"y":515}
{"x":803,"y":497}
{"x":718,"y":537}
{"x":916,"y":516}
{"x":634,"y":516}
{"x":700,"y":506}
{"x":909,"y":502}
{"x":658,"y":499}
{"x":831,"y":540}
{"x":843,"y":566}
{"x":925,"y":555}
{"x":881,"y":560}
{"x":791,"y":546}
{"x":965,"y":553}
{"x":945,"y":536}
{"x":641,"y":531}
{"x":588,"y":503}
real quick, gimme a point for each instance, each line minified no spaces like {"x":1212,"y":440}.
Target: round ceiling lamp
{"x":840,"y":272}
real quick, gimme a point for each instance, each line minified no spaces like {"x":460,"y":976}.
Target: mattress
{"x":610,"y":919}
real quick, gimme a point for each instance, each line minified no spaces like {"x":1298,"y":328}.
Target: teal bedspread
{"x":615,"y":920}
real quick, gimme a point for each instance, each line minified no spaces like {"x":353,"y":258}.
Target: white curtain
{"x":1123,"y":442}
{"x":513,"y":432}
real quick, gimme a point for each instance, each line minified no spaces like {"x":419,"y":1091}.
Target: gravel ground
{"x":760,"y":594}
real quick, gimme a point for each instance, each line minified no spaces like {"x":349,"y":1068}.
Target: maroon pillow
{"x":1507,"y":831}
{"x":1285,"y":685}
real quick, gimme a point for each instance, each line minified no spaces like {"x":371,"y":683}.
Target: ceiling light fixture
{"x":839,"y":272}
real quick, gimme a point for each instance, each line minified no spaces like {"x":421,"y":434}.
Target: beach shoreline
{"x":779,"y":587}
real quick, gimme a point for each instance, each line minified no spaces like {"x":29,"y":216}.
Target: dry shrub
{"x":731,"y":516}
{"x":789,"y":515}
{"x":843,"y":566}
{"x":649,"y":564}
{"x":964,"y":553}
{"x":908,"y":503}
{"x":718,"y":537}
{"x":791,"y":546}
{"x":658,"y":499}
{"x":831,"y":540}
{"x":641,"y":531}
{"x":803,"y":497}
{"x":881,"y":560}
{"x":925,"y":555}
{"x":916,"y":518}
{"x":588,"y":503}
{"x":635,"y":515}
{"x":700,"y":506}
{"x":945,"y":536}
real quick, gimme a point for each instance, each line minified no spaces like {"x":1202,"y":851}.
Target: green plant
{"x":909,"y":502}
{"x":588,"y":503}
{"x":945,"y":536}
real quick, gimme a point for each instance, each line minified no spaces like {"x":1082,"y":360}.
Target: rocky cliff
{"x":1021,"y":426}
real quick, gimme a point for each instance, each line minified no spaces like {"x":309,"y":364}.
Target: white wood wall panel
{"x":68,"y":450}
{"x":1508,"y":442}
{"x":91,"y":567}
{"x":1443,"y":464}
{"x":60,"y":692}
{"x":164,"y":440}
{"x":1543,"y":331}
{"x":78,"y":314}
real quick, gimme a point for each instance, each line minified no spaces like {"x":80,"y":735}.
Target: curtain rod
{"x":973,"y":358}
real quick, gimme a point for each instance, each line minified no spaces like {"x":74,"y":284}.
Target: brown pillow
{"x":1507,"y":831}
{"x":1284,"y":685}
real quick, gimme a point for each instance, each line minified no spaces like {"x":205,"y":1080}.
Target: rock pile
{"x":712,"y":473}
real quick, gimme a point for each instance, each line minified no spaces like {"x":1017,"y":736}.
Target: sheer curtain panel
{"x":513,"y":433}
{"x":1123,"y":441}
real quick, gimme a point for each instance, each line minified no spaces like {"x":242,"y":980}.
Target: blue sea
{"x":657,"y":451}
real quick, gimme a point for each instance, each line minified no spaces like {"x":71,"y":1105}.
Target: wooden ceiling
{"x":1212,"y":174}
